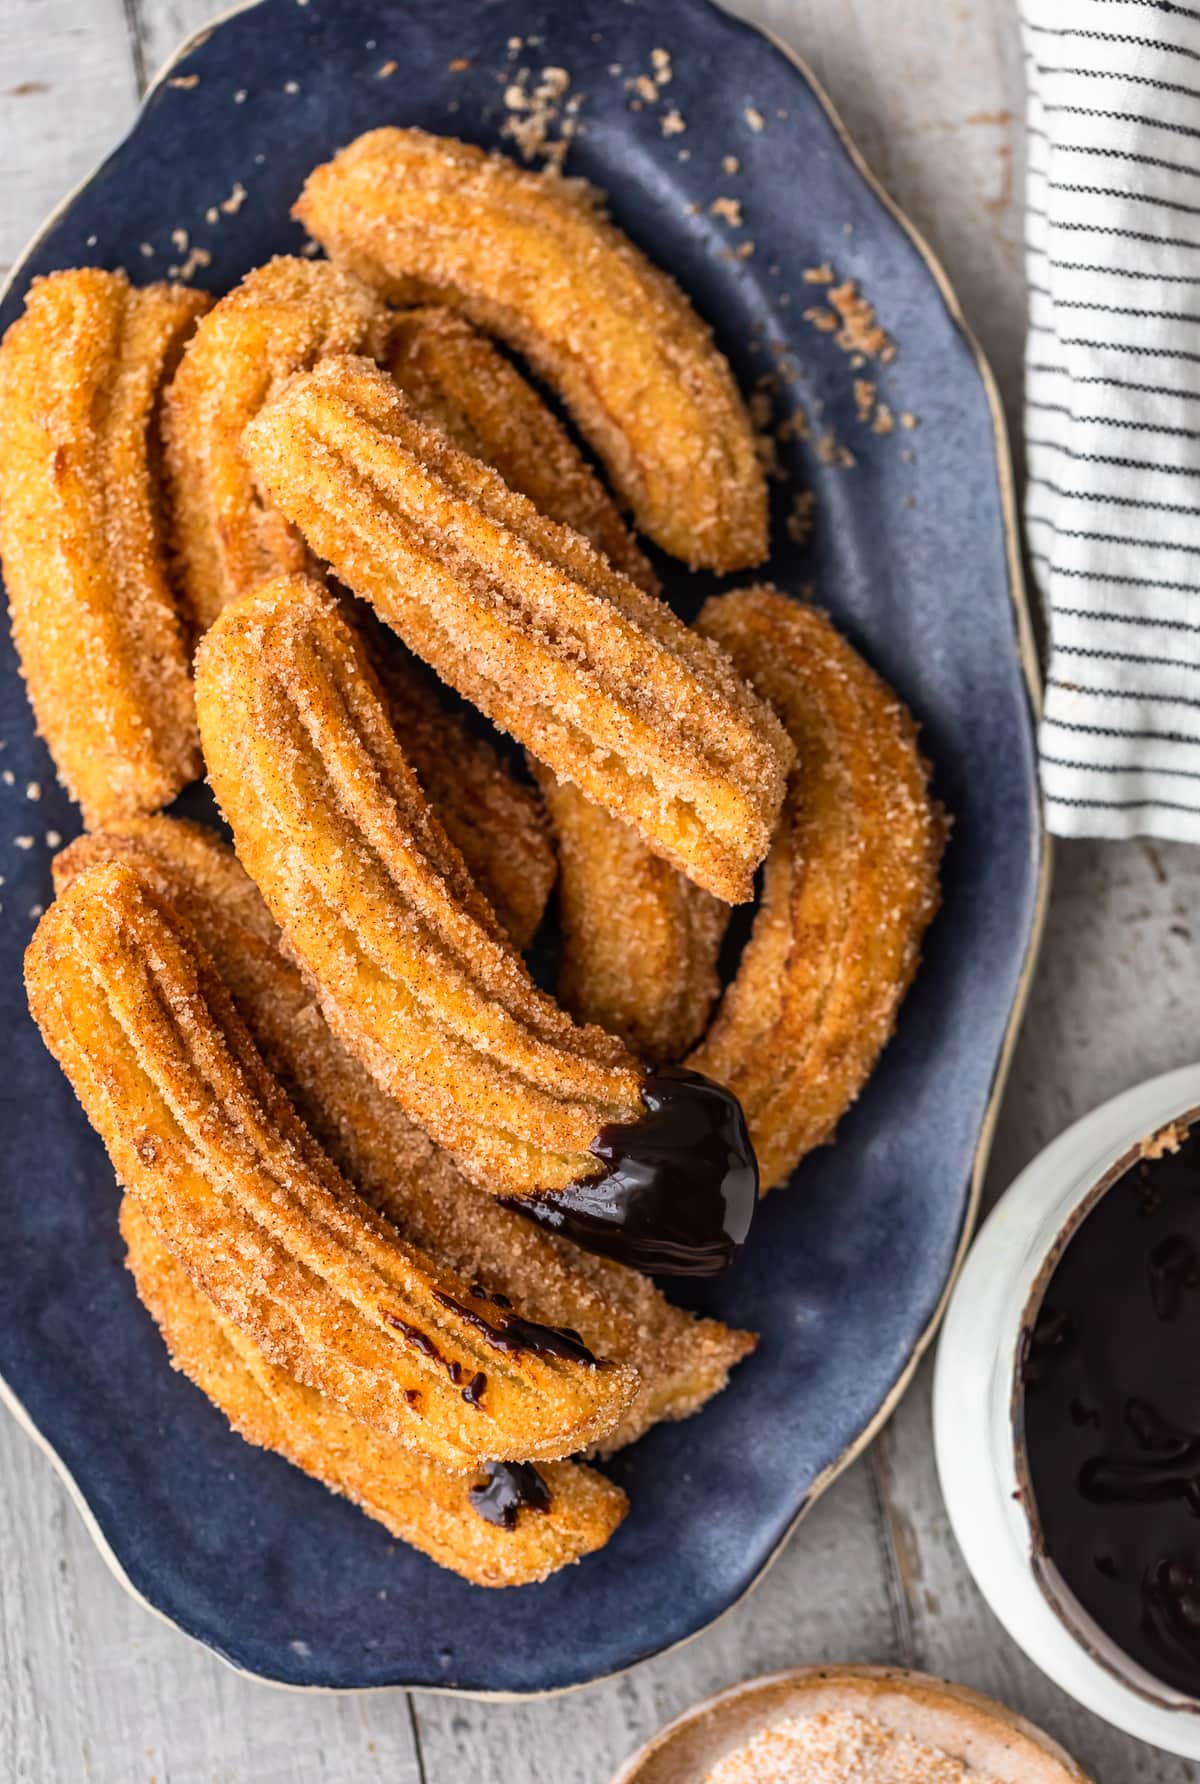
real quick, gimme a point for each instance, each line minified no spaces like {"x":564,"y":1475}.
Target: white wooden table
{"x":90,"y":1685}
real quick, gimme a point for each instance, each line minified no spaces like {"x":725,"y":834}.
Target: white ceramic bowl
{"x":979,"y":1456}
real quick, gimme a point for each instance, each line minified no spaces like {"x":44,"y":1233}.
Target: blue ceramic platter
{"x":911,"y":550}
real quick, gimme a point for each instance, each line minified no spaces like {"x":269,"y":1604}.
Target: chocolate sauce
{"x":1111,"y":1404}
{"x":473,"y":1392}
{"x":510,"y":1487}
{"x":518,"y":1335}
{"x":678,"y":1188}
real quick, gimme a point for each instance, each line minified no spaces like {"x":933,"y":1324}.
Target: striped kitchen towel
{"x":1113,"y":408}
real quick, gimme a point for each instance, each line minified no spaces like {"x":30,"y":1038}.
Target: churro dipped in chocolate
{"x":851,"y":883}
{"x":600,"y":681}
{"x":413,"y":973}
{"x":457,"y":379}
{"x":531,"y":259}
{"x":681,"y":1361}
{"x":245,"y":1200}
{"x":282,"y":318}
{"x":81,"y":538}
{"x":506,"y":1525}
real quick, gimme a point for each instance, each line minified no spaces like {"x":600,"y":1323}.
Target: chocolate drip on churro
{"x":679,"y":1187}
{"x":510,"y":1487}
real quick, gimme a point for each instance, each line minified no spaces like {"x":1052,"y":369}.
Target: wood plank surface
{"x":92,"y":1686}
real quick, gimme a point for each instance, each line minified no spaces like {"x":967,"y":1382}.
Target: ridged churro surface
{"x":531,"y":259}
{"x":241,"y":1194}
{"x":498,"y":823}
{"x":412,"y":971}
{"x":280,"y":319}
{"x":599,"y":680}
{"x":416,"y":1499}
{"x":851,"y":883}
{"x":639,"y":941}
{"x":456,"y":378}
{"x":681,"y":1361}
{"x":81,"y":536}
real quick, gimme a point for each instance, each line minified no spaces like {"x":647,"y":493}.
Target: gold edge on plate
{"x":1031,"y":673}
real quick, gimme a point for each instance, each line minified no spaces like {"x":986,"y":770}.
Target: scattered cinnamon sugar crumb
{"x":186,"y":81}
{"x":754,"y":117}
{"x":644,"y":87}
{"x":291,"y":87}
{"x":237,"y":198}
{"x":671,"y":123}
{"x":825,"y":320}
{"x":840,"y":1747}
{"x":908,"y":419}
{"x":800,"y":516}
{"x":179,"y":240}
{"x":187,"y":269}
{"x":660,"y":61}
{"x":147,"y":250}
{"x":830,"y":451}
{"x":53,"y":839}
{"x":859,"y":332}
{"x":819,"y":275}
{"x":536,"y":111}
{"x":730,"y":163}
{"x":23,"y":842}
{"x":864,"y":398}
{"x":885,"y":421}
{"x":386,"y":70}
{"x":8,"y":777}
{"x":460,"y":64}
{"x":33,"y":790}
{"x":729,"y":210}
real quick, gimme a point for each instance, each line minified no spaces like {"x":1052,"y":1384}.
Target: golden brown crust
{"x":418,"y":1500}
{"x":639,"y":941}
{"x":850,"y":887}
{"x":597,"y":679}
{"x":412,"y":972}
{"x":254,"y":1211}
{"x":498,"y":824}
{"x":282,"y":318}
{"x":100,"y":642}
{"x":681,"y":1361}
{"x":530,"y":259}
{"x":455,"y":378}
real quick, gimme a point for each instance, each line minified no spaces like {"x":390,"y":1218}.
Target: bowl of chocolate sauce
{"x":1067,"y":1411}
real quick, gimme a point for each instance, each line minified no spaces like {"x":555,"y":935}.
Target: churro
{"x":412,"y":971}
{"x":532,"y":260}
{"x":851,"y":883}
{"x":243,"y":1197}
{"x":280,"y":319}
{"x":498,"y":823}
{"x":94,"y":619}
{"x":681,"y":1361}
{"x":639,"y":941}
{"x":600,"y":681}
{"x":509,"y":1526}
{"x":456,"y":378}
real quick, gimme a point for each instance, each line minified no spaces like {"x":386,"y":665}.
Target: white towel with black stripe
{"x":1113,"y":408}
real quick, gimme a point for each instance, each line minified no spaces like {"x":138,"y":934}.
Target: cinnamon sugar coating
{"x":417,"y":1499}
{"x":851,"y":883}
{"x":680,"y":1360}
{"x":530,"y":258}
{"x":257,"y":1215}
{"x":598,"y":680}
{"x":457,"y":379}
{"x":411,"y":969}
{"x":282,"y":318}
{"x":94,"y":618}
